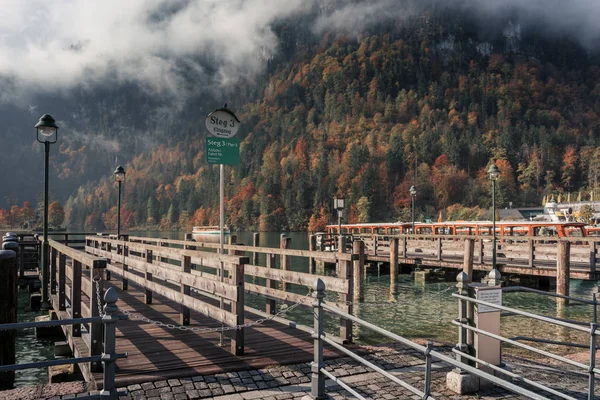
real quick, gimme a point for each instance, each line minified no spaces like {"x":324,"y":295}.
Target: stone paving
{"x":293,"y":381}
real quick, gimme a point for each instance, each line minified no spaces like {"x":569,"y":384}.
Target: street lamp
{"x":119,"y":177}
{"x":413,"y":194}
{"x":338,"y":204}
{"x":494,"y":173}
{"x":47,"y":133}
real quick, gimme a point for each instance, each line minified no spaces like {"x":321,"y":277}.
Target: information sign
{"x":222,"y":123}
{"x":493,"y":296}
{"x":222,"y":151}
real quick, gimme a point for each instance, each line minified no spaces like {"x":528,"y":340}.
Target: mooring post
{"x":312,"y":246}
{"x":468,"y":258}
{"x":255,"y":242}
{"x":563,"y":269}
{"x":358,"y":257}
{"x":109,"y":356}
{"x":186,"y":266}
{"x":393,"y":264}
{"x":318,"y":379}
{"x":593,"y":257}
{"x":8,"y":314}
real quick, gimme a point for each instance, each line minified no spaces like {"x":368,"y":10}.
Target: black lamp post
{"x":494,"y":173}
{"x":119,"y":177}
{"x":47,"y":133}
{"x":413,"y":194}
{"x":338,"y":204}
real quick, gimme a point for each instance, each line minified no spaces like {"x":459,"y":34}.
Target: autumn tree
{"x":56,"y":214}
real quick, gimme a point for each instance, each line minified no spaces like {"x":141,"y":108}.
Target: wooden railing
{"x":275,"y":276}
{"x":73,"y":277}
{"x":517,"y":251}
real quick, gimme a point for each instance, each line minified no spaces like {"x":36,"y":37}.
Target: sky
{"x":57,"y":45}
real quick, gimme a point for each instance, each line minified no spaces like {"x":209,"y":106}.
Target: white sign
{"x":493,"y":296}
{"x":221,"y":123}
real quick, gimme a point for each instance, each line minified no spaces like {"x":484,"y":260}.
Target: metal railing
{"x":108,"y":356}
{"x":319,"y":373}
{"x":464,"y":324}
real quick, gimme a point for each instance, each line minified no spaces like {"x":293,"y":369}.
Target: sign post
{"x":222,"y":148}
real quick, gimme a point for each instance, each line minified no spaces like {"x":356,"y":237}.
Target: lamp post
{"x":119,"y":177}
{"x":47,"y":133}
{"x":338,"y":204}
{"x":413,"y":194}
{"x":494,"y":173}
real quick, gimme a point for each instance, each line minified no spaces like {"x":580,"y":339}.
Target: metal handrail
{"x":108,"y":358}
{"x":525,"y":314}
{"x":318,"y":378}
{"x":561,"y":296}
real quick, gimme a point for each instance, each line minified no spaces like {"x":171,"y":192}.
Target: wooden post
{"x":8,"y":314}
{"x":468,"y":258}
{"x":148,"y":276}
{"x":108,"y":259}
{"x":271,"y":305}
{"x":22,"y":261}
{"x":439,"y":249}
{"x":97,"y":282}
{"x":53,"y":254}
{"x":375,"y":243}
{"x":530,"y":253}
{"x":285,"y":261}
{"x":76,"y":296}
{"x":232,"y":241}
{"x":125,"y":250}
{"x":62,"y":262}
{"x":592,"y":257}
{"x":312,"y":246}
{"x":358,"y":254}
{"x":255,"y":242}
{"x":345,"y":272}
{"x":480,"y":249}
{"x":393,"y":265}
{"x":563,"y":269}
{"x":184,"y":317}
{"x":237,"y":307}
{"x":404,"y":247}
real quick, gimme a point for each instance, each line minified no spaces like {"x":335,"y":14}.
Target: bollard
{"x":109,"y":357}
{"x":8,"y":314}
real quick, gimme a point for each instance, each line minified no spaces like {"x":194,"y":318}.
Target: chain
{"x":280,"y":313}
{"x":96,"y":280}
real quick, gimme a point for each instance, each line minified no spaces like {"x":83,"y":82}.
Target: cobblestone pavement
{"x":293,"y":381}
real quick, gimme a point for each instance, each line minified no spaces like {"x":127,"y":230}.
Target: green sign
{"x":222,"y":150}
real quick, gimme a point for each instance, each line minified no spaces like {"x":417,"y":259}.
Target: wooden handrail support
{"x":79,"y":283}
{"x":174,"y":265}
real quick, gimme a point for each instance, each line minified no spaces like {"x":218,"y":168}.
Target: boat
{"x":209,"y":230}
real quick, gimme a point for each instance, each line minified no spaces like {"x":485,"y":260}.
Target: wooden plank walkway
{"x":158,"y":353}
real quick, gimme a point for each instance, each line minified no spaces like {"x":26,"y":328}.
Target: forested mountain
{"x":427,"y":100}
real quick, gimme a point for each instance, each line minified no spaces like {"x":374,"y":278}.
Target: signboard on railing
{"x":491,"y":295}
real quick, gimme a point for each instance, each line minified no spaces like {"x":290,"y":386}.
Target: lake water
{"x":414,"y":311}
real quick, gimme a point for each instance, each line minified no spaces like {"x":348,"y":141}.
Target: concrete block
{"x":50,"y":332}
{"x":423,"y":276}
{"x":35,"y":301}
{"x":62,"y":349}
{"x":461,"y":382}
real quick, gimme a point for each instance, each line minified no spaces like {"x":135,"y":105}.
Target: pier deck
{"x":159,"y":353}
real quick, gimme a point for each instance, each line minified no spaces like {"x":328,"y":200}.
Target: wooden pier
{"x":171,"y":291}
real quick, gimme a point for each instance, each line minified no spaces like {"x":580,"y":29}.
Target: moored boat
{"x":209,"y":230}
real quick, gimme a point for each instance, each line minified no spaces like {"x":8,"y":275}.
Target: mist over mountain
{"x":336,"y":97}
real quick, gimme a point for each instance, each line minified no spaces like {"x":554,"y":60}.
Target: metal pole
{"x":109,"y":358}
{"x":494,"y":224}
{"x":222,"y":236}
{"x":45,"y":300}
{"x":119,"y":214}
{"x":413,"y":214}
{"x":339,"y":228}
{"x":591,"y":383}
{"x":318,"y":379}
{"x":427,"y":389}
